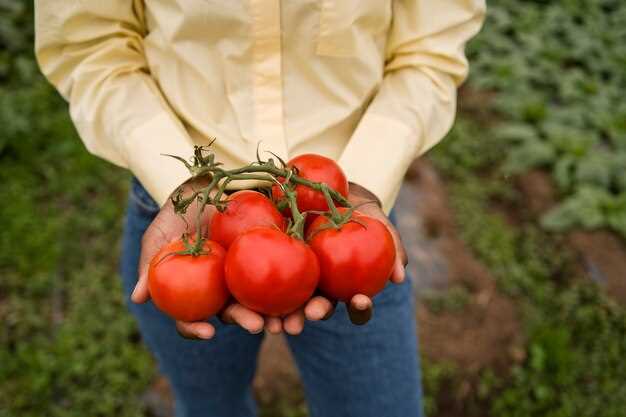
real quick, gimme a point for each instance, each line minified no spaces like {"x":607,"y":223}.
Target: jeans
{"x":347,"y":370}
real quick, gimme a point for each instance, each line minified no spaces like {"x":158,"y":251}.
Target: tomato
{"x":186,"y":287}
{"x":245,"y":209}
{"x":319,"y":169}
{"x":270,"y":272}
{"x":355,"y":258}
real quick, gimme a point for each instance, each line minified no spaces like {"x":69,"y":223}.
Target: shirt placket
{"x":267,"y":76}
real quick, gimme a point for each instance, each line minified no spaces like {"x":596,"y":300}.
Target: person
{"x":369,"y":83}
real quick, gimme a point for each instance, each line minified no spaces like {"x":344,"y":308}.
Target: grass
{"x":67,"y":344}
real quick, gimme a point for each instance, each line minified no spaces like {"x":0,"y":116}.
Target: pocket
{"x":140,"y":197}
{"x":345,"y":24}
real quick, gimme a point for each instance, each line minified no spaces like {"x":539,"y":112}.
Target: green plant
{"x":575,"y":333}
{"x":557,"y":71}
{"x":67,"y":345}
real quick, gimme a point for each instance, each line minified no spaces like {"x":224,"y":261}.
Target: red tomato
{"x":270,"y":272}
{"x":353,"y":259}
{"x":245,"y":210}
{"x":188,"y":288}
{"x":319,"y":169}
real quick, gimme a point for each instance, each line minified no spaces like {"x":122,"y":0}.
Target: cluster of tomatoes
{"x":252,"y":257}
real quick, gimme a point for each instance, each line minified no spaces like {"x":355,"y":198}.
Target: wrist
{"x":359,"y":194}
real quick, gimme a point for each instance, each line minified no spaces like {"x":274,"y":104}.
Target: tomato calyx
{"x":192,"y":248}
{"x":339,"y":217}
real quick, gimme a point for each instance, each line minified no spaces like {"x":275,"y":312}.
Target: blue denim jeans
{"x":347,"y":370}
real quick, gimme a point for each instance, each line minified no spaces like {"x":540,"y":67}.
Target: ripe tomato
{"x":188,"y":288}
{"x":245,"y":209}
{"x":355,"y":258}
{"x":270,"y":272}
{"x":319,"y":169}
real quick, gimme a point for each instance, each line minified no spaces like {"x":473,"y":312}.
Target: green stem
{"x":277,"y":172}
{"x":206,"y":165}
{"x":331,"y":204}
{"x":199,"y":243}
{"x":297,"y":229}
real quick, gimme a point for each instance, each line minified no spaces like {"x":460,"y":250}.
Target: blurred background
{"x":516,"y":226}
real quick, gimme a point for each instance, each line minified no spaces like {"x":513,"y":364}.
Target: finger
{"x":274,"y":325}
{"x":153,"y":239}
{"x":141,"y":294}
{"x":399,"y":273}
{"x":195,"y":330}
{"x":319,"y":308}
{"x":360,"y":309}
{"x":294,"y":322}
{"x":248,"y":319}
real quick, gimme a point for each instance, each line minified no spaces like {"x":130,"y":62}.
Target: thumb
{"x":141,"y":293}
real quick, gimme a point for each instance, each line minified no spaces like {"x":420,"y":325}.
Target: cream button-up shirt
{"x":369,"y":83}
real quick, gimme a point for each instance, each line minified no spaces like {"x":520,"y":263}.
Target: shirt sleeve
{"x":92,"y":52}
{"x":416,"y":103}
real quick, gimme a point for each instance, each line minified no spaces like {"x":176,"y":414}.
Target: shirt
{"x":369,"y":83}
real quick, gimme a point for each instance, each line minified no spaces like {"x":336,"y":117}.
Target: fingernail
{"x":400,"y":271}
{"x":204,"y":333}
{"x":255,"y":331}
{"x":318,"y":313}
{"x":361,"y":304}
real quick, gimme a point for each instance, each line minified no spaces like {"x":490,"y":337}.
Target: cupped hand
{"x":166,"y":227}
{"x":360,"y":307}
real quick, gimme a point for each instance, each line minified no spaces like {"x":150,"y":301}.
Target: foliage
{"x":575,"y":361}
{"x":436,"y":377}
{"x":557,"y":69}
{"x":555,"y":72}
{"x":67,"y":345}
{"x":575,"y":333}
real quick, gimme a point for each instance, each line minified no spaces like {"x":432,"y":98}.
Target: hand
{"x":360,"y":307}
{"x":168,"y":226}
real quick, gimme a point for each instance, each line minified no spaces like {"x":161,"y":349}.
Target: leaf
{"x":585,"y":208}
{"x":515,"y":132}
{"x":616,"y":213}
{"x":618,"y":171}
{"x":529,"y":154}
{"x":595,"y":169}
{"x":563,"y":172}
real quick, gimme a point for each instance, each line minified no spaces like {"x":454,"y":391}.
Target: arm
{"x":416,"y":103}
{"x":92,"y":52}
{"x":413,"y":109}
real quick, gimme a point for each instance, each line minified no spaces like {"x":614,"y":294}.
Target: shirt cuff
{"x":144,"y":149}
{"x":378,"y":156}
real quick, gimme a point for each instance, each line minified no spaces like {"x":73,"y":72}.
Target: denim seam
{"x":140,"y":200}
